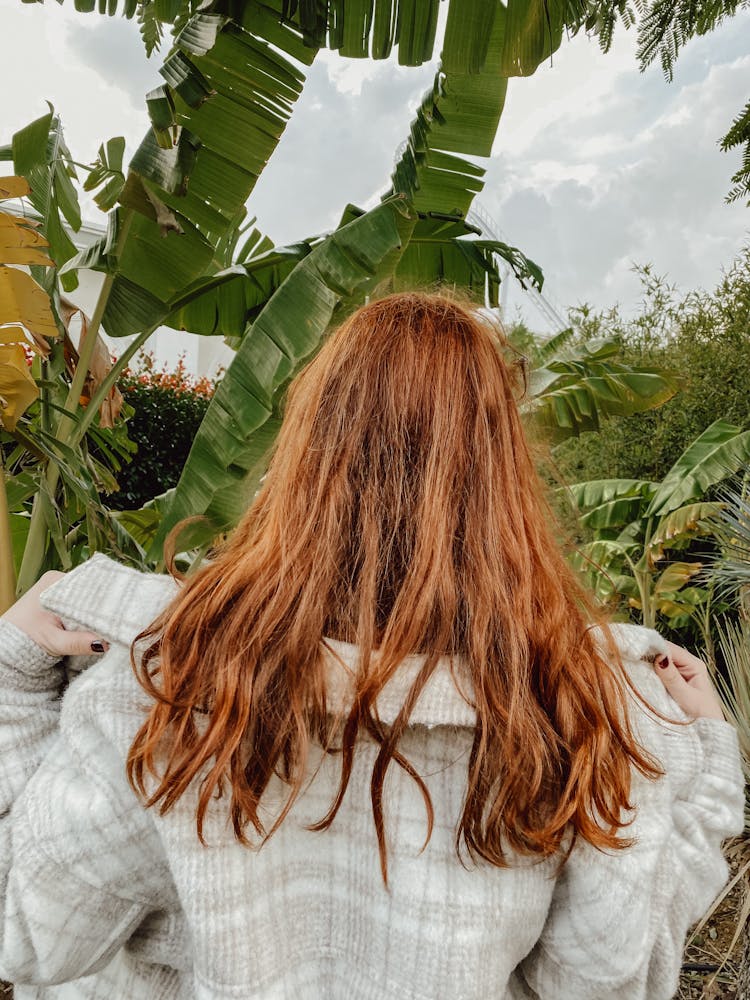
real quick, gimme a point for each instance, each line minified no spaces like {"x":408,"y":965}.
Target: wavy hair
{"x":401,"y":512}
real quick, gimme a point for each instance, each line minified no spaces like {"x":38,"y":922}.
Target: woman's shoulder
{"x":115,"y":601}
{"x":104,"y":698}
{"x":104,"y":705}
{"x":638,"y":647}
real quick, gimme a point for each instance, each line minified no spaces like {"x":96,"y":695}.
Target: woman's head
{"x":402,"y":467}
{"x":401,"y":512}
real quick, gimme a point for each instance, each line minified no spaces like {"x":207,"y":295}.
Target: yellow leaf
{"x":13,"y":187}
{"x":18,"y":390}
{"x":25,"y":255}
{"x":13,"y":334}
{"x":22,"y":300}
{"x":676,"y":575}
{"x":20,"y":243}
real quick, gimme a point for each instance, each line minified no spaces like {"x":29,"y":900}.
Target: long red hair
{"x":401,"y":512}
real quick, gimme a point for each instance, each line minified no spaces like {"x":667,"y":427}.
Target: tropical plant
{"x":637,"y":525}
{"x":702,"y":335}
{"x":729,"y":659}
{"x":574,"y":384}
{"x":178,"y":250}
{"x":664,"y":27}
{"x":166,"y":405}
{"x":37,"y":361}
{"x":25,"y":320}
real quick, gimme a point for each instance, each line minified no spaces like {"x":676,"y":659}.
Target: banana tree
{"x":638,"y":524}
{"x":25,"y":319}
{"x":230,"y":83}
{"x":231,"y":80}
{"x":573,"y":385}
{"x":37,"y":356}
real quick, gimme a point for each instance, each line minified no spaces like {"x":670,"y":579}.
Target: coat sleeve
{"x":618,"y":920}
{"x":81,"y":863}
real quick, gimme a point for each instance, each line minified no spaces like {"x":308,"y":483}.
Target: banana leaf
{"x":572,"y":396}
{"x":230,"y":443}
{"x":596,"y":492}
{"x":224,"y":303}
{"x":216,"y":121}
{"x":41,"y":156}
{"x":721,"y":450}
{"x":533,"y":31}
{"x":675,"y":576}
{"x":686,"y":522}
{"x":459,"y":114}
{"x":361,"y":28}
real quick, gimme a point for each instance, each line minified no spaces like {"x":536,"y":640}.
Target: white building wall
{"x":202,"y":355}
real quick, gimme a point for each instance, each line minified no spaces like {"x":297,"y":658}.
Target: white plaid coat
{"x":101,"y":898}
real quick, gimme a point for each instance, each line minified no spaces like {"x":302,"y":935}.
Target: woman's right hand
{"x":687,"y":680}
{"x":46,"y":629}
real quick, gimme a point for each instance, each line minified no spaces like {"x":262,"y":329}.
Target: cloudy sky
{"x":596,"y":166}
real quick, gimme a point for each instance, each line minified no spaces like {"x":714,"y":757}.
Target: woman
{"x":373,"y":749}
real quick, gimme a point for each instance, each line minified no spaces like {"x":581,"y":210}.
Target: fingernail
{"x":97,"y":646}
{"x":662,"y":662}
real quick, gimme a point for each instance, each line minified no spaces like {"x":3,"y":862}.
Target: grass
{"x":709,"y":946}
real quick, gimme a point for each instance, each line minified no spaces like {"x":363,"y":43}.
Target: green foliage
{"x":663,"y":26}
{"x":40,"y":154}
{"x":573,"y":385}
{"x":150,"y":26}
{"x":172,"y":249}
{"x":361,"y":28}
{"x":637,"y":527}
{"x":106,"y":173}
{"x":167,"y":409}
{"x":702,"y":336}
{"x":647,"y":485}
{"x":739,"y":135}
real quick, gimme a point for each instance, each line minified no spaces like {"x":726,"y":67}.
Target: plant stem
{"x":45,"y":409}
{"x":36,"y":543}
{"x":66,"y":426}
{"x":7,"y":569}
{"x":84,"y":421}
{"x":644,"y":579}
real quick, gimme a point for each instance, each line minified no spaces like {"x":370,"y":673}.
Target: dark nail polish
{"x":97,"y":647}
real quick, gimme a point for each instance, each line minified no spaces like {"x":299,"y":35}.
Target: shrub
{"x":168,"y":407}
{"x":705,"y":338}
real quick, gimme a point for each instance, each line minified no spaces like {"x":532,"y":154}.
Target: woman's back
{"x":251,"y":816}
{"x":308,"y":916}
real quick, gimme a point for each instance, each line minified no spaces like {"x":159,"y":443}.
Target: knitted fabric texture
{"x":101,"y":898}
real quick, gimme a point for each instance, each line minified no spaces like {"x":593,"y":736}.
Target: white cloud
{"x":595,"y":165}
{"x":97,"y":96}
{"x":634,"y":175}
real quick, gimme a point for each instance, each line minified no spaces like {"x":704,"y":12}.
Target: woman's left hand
{"x":688,"y":681}
{"x":46,"y":629}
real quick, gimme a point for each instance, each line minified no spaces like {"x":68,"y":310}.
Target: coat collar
{"x":117,"y":603}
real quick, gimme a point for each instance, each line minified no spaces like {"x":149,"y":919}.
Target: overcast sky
{"x":595,"y":166}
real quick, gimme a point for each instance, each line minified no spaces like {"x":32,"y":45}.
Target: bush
{"x":168,"y":409}
{"x":705,"y":338}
